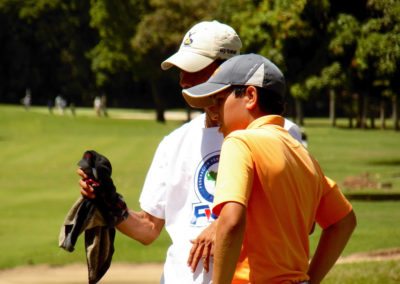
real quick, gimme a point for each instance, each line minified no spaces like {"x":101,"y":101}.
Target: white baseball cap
{"x":204,"y":43}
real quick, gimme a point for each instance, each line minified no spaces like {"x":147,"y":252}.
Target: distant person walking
{"x":60,"y":104}
{"x":27,"y":99}
{"x":50,"y":105}
{"x":73,"y":109}
{"x":100,"y":105}
{"x":103,"y":105}
{"x":97,"y":105}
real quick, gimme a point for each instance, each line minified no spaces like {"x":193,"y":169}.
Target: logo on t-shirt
{"x":205,"y":178}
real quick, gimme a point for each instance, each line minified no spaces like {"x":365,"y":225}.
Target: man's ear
{"x":252,"y":97}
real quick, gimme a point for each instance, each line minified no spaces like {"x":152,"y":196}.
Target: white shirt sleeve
{"x":293,"y":130}
{"x":153,"y":196}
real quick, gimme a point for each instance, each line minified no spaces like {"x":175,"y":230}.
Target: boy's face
{"x":232,"y":111}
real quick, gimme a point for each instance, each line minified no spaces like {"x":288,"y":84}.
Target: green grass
{"x":39,"y":155}
{"x":38,"y":183}
{"x":377,"y":227}
{"x":345,"y":153}
{"x":387,"y":272}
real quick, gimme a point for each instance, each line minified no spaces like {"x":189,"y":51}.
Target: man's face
{"x":188,"y":80}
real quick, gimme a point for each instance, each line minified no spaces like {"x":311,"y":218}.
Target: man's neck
{"x":209,"y":122}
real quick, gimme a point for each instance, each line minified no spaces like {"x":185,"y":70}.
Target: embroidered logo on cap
{"x":188,"y":40}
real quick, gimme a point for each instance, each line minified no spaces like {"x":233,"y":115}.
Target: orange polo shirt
{"x":284,"y":190}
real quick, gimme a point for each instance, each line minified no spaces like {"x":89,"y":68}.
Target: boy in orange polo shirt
{"x":269,"y":190}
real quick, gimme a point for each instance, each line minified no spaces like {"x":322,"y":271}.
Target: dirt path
{"x":77,"y":274}
{"x":133,"y":273}
{"x":379,"y":255}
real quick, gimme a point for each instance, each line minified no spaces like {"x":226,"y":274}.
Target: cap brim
{"x":187,"y":61}
{"x":200,"y":96}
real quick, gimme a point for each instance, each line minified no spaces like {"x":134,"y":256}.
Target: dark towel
{"x":111,"y":204}
{"x":99,"y":238}
{"x":97,"y":217}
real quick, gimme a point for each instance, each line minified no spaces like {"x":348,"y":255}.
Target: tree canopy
{"x":328,"y":50}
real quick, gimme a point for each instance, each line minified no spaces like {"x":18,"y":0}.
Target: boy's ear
{"x":252,"y":97}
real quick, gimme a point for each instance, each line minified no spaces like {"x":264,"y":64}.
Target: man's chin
{"x":223,"y":131}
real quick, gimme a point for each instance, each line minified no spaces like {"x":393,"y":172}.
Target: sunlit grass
{"x":38,"y":184}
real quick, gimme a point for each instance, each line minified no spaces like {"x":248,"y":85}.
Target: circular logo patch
{"x":207,"y":176}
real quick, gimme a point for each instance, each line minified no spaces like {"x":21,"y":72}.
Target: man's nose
{"x":184,"y":82}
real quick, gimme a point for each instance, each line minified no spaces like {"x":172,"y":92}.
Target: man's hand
{"x":87,"y":190}
{"x":203,"y":248}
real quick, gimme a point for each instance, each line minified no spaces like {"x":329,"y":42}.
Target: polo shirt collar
{"x":268,"y":119}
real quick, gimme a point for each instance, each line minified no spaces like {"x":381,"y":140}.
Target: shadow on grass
{"x":386,"y":162}
{"x":373,"y":197}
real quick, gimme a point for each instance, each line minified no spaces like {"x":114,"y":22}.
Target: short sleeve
{"x":235,"y":174}
{"x":293,"y":130}
{"x":333,"y":205}
{"x":152,"y":198}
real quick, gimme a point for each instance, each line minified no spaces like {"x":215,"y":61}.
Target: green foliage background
{"x":83,"y":48}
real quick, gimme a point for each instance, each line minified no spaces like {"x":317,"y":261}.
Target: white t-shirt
{"x":179,"y":188}
{"x":293,"y":129}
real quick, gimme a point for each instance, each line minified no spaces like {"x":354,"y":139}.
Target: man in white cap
{"x":269,"y":190}
{"x":179,"y":187}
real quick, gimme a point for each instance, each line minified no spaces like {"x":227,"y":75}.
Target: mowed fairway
{"x":38,"y":183}
{"x":39,"y":155}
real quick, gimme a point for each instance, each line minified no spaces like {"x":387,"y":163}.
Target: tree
{"x":115,"y":22}
{"x":112,"y":57}
{"x":378,"y":49}
{"x":367,"y":44}
{"x":332,"y":81}
{"x":44,"y":45}
{"x":290,"y":33}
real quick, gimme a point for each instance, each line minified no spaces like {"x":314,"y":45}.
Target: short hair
{"x":269,"y":101}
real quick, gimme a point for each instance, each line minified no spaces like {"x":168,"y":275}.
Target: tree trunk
{"x":351,"y":111}
{"x":395,"y":106}
{"x":364,"y":112}
{"x":188,"y":113}
{"x":332,"y":113}
{"x":350,"y":107}
{"x":382,"y":114}
{"x":299,"y":112}
{"x":372,"y":111}
{"x":372,"y":120}
{"x":160,"y":109}
{"x":358,"y":112}
{"x":351,"y":121}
